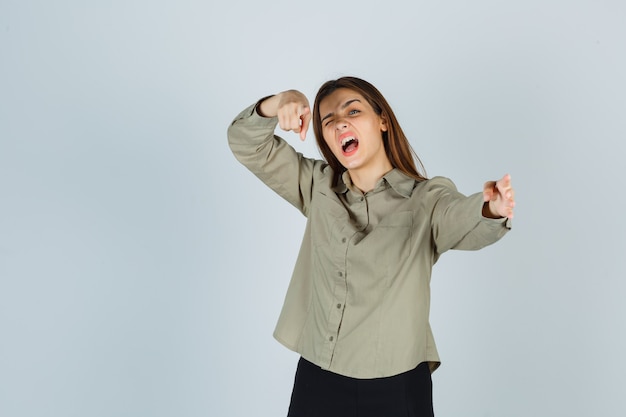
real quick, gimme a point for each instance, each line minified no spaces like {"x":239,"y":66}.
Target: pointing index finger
{"x":504,"y":183}
{"x":305,"y":119}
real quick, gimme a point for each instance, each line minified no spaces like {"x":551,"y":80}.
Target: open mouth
{"x":349,"y":145}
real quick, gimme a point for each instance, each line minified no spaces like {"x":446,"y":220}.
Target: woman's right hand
{"x":292,"y":109}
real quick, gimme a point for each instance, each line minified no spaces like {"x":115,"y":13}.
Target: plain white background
{"x":142,"y":269}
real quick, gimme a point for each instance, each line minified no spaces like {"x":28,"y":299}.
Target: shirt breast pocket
{"x":328,"y":217}
{"x":392,"y":238}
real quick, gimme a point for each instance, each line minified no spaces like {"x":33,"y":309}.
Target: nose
{"x":341,"y":124}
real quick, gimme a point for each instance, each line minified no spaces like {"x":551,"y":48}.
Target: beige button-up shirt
{"x":359,"y":298}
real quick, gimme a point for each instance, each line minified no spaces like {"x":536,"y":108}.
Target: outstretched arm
{"x":499,"y":197}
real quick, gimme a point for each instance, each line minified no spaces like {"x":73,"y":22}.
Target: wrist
{"x":489,"y":212}
{"x":267,"y":106}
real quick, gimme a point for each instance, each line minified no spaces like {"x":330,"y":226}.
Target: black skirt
{"x":321,"y":393}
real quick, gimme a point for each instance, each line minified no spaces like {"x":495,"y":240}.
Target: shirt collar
{"x":400,"y":182}
{"x":341,"y":187}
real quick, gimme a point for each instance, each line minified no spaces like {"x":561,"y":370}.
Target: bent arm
{"x":253,"y":142}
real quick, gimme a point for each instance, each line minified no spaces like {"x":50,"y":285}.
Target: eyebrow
{"x":343,"y":106}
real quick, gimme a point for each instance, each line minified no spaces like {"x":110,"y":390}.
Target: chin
{"x":352,"y":164}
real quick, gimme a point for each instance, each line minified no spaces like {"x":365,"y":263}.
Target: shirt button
{"x":340,"y":273}
{"x":361,"y":199}
{"x":338,"y":305}
{"x":331,"y":338}
{"x":344,"y":240}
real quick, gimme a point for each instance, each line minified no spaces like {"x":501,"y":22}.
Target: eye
{"x":353,"y":112}
{"x":328,"y":122}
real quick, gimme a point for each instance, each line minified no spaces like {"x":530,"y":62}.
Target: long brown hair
{"x":398,"y":149}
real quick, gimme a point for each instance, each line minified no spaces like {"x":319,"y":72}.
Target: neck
{"x":366,"y":179}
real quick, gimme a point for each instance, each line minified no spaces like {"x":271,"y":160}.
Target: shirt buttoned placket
{"x":359,"y":214}
{"x":340,"y":292}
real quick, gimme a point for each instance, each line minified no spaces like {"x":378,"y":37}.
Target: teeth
{"x":346,"y":140}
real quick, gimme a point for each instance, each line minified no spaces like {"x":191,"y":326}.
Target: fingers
{"x":295,"y":118}
{"x":294,"y":113}
{"x":501,"y":196}
{"x":488,"y":190}
{"x":504,"y":186}
{"x":306,"y":121}
{"x":507,"y":196}
{"x":290,"y":117}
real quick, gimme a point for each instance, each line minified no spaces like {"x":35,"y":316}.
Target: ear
{"x":383,"y":124}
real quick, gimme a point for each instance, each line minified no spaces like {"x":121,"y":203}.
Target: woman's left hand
{"x":499,"y":198}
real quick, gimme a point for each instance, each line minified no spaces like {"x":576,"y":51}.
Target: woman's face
{"x":353,"y":130}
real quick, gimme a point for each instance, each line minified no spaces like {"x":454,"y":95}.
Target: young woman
{"x":357,"y":307}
